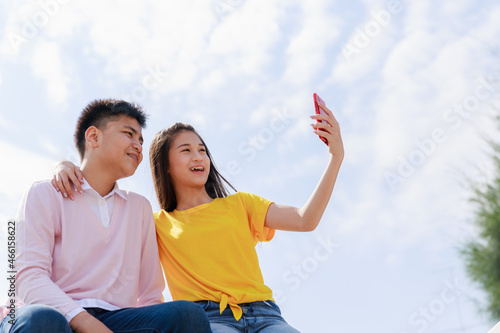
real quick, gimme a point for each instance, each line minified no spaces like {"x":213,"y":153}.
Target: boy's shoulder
{"x":135,"y":197}
{"x":44,"y":185}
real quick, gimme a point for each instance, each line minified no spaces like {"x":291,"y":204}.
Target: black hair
{"x":100,"y":112}
{"x":158,"y":156}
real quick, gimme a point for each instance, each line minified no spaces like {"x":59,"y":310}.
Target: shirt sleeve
{"x":151,"y":281}
{"x":72,"y":314}
{"x":37,"y":227}
{"x":256,"y":207}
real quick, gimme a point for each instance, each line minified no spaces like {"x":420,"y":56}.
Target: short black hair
{"x":100,"y":112}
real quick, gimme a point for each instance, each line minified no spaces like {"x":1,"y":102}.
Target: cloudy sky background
{"x":414,"y":85}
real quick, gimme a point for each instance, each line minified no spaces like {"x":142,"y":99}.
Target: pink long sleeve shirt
{"x":66,"y":257}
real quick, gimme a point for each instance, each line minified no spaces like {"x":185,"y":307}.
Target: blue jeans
{"x":178,"y":316}
{"x":257,"y":317}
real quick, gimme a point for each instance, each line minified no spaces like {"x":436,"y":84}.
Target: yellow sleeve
{"x":256,"y":207}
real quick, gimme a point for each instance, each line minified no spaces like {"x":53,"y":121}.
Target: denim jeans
{"x":257,"y":317}
{"x":36,"y":318}
{"x":178,"y":316}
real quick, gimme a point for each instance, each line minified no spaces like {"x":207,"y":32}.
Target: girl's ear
{"x":92,"y":136}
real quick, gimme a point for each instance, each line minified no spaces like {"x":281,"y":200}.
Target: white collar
{"x":86,"y":187}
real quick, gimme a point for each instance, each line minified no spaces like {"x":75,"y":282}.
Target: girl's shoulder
{"x":160,"y":213}
{"x":242,"y":196}
{"x":248,"y":199}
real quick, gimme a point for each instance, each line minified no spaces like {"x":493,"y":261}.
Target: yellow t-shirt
{"x":208,"y":251}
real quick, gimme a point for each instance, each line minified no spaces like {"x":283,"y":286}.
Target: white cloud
{"x":19,"y":28}
{"x":366,"y":45}
{"x":212,"y":81}
{"x":425,"y":75}
{"x":117,"y":32}
{"x":48,"y":65}
{"x":284,"y":172}
{"x":489,"y":29}
{"x":406,"y":106}
{"x":425,"y":71}
{"x":306,"y":51}
{"x":20,"y":170}
{"x":34,"y":22}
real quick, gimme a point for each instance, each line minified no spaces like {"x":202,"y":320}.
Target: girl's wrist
{"x":336,"y":160}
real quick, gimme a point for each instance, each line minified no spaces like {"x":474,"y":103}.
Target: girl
{"x":207,"y":238}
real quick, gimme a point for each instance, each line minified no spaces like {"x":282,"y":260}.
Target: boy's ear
{"x":92,"y":136}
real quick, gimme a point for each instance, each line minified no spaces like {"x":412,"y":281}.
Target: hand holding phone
{"x":318,"y":101}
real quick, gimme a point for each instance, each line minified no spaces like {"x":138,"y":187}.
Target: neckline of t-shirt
{"x":195,"y":208}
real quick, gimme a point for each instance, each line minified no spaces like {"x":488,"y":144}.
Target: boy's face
{"x":120,"y":146}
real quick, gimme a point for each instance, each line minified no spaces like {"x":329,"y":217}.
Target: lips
{"x":198,"y":168}
{"x":134,"y":156}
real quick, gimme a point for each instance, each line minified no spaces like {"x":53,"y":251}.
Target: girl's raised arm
{"x":307,"y":217}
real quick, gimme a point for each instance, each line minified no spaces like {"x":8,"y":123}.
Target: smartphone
{"x":317,"y":102}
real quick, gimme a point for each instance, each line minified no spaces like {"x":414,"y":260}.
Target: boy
{"x":91,"y":264}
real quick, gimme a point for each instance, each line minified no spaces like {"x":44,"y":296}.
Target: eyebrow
{"x":141,"y":140}
{"x":188,"y":145}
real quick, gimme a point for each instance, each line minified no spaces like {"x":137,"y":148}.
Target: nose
{"x":197,"y":156}
{"x":137,"y":146}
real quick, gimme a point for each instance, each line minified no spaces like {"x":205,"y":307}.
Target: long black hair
{"x":158,"y":156}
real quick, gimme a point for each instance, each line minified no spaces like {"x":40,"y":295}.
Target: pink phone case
{"x":318,"y":100}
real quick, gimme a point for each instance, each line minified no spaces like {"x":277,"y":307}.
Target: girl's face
{"x":189,"y":164}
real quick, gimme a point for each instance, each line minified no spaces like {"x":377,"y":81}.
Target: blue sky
{"x":413,"y":83}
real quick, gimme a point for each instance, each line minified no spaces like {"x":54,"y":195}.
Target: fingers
{"x":54,"y":183}
{"x":333,"y":139}
{"x":79,"y":177}
{"x":73,"y":179}
{"x":65,"y":178}
{"x":64,"y":186}
{"x":327,"y":127}
{"x":331,"y":126}
{"x":330,"y":118}
{"x":325,"y":131}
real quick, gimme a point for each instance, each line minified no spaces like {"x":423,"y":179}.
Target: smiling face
{"x":189,"y":164}
{"x":119,"y":146}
